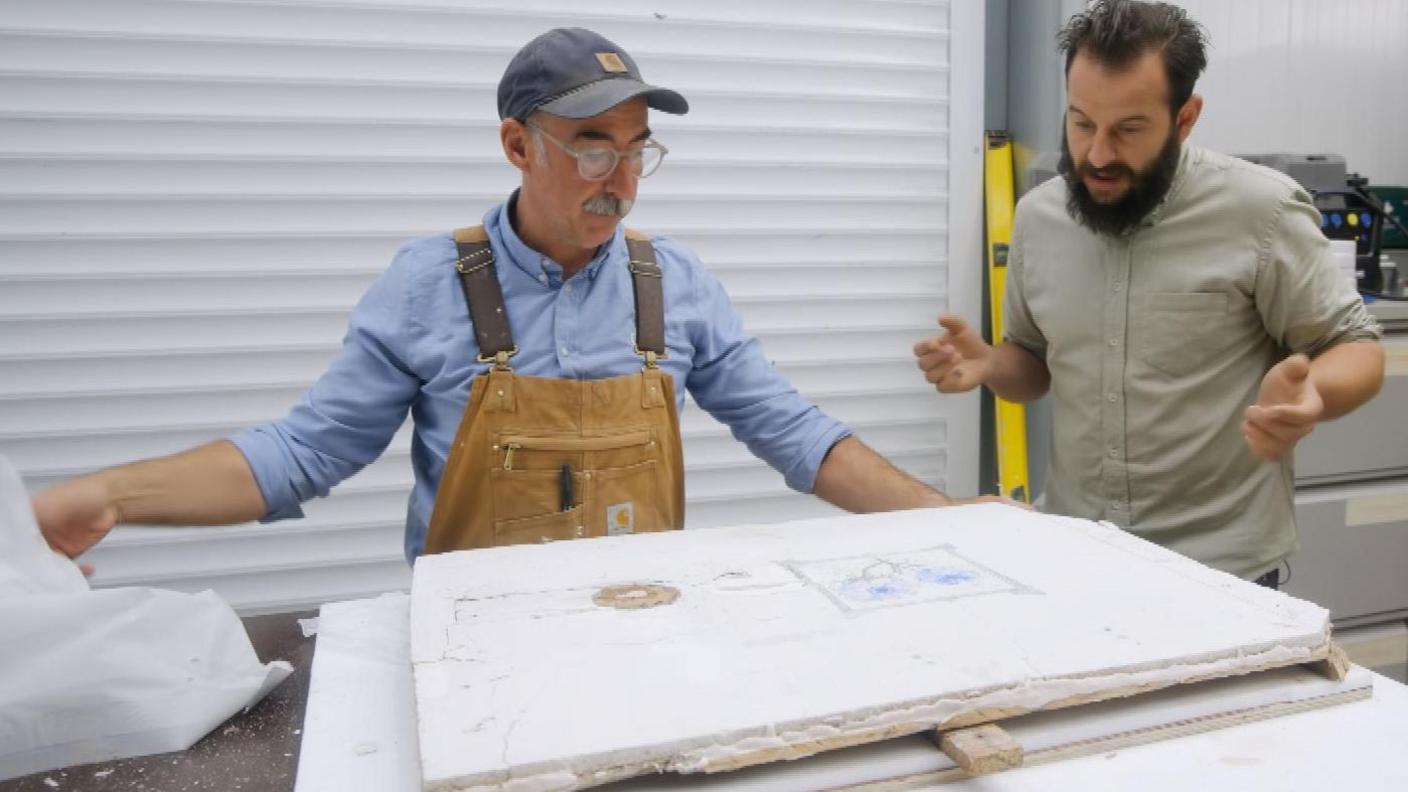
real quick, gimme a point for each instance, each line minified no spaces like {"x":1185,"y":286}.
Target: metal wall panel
{"x":1310,"y":77}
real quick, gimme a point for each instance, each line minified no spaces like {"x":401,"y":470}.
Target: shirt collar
{"x":1185,"y":159}
{"x":535,"y":264}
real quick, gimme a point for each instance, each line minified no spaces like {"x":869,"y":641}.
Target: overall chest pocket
{"x":553,"y":486}
{"x":1182,"y":331}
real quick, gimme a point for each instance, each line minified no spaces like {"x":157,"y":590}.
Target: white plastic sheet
{"x":93,"y":675}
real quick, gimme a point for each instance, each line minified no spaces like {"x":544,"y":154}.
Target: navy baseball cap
{"x":575,"y":73}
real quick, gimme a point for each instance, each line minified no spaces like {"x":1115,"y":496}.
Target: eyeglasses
{"x":595,"y":163}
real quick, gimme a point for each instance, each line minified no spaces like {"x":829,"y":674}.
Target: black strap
{"x":484,"y":295}
{"x":647,"y":280}
{"x":486,"y":298}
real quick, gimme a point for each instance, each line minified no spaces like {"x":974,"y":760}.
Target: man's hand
{"x":75,"y":515}
{"x":1287,"y":409}
{"x":957,"y":361}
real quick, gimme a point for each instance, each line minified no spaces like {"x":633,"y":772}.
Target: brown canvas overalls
{"x":538,"y":459}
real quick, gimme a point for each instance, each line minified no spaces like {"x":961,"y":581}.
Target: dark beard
{"x":1146,"y":189}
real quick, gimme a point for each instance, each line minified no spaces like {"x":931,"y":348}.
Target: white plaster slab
{"x":362,"y":695}
{"x":359,"y":728}
{"x":788,"y":639}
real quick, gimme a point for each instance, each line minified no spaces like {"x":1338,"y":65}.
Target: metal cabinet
{"x":1353,"y":556}
{"x":1352,"y":515}
{"x":1369,"y":443}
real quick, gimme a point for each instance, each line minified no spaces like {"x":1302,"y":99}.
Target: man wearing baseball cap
{"x":543,"y":356}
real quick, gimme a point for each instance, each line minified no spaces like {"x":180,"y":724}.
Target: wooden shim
{"x":1334,"y":667}
{"x":981,"y":749}
{"x":1127,"y":739}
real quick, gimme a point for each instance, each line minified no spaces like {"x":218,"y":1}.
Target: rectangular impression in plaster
{"x":869,"y":582}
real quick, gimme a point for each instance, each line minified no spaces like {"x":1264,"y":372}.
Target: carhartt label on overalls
{"x":620,"y":519}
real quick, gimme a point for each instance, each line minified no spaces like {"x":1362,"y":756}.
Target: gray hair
{"x":540,"y":153}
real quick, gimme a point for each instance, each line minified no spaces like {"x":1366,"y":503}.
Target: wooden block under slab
{"x":981,"y":749}
{"x":1335,"y":666}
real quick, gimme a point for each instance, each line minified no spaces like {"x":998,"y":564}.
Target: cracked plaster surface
{"x":523,"y":685}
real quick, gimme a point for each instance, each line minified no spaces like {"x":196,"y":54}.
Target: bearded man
{"x":1181,"y":307}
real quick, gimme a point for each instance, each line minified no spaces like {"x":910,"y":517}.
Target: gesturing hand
{"x":957,"y":361}
{"x":1287,"y":409}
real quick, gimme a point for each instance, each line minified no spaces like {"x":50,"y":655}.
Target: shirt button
{"x":1114,"y":342}
{"x":1114,"y":505}
{"x":566,"y":351}
{"x":567,"y":288}
{"x":1111,"y":398}
{"x":1114,"y":453}
{"x":1115,"y":287}
{"x":542,"y":277}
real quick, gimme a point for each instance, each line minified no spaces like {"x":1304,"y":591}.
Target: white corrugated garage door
{"x":193,"y":194}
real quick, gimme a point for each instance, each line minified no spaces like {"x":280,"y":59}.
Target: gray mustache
{"x":609,"y":206}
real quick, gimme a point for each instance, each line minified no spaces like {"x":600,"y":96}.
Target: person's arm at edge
{"x":857,"y":479}
{"x":211,"y":484}
{"x":1017,"y":375}
{"x":344,"y":423}
{"x":1347,"y":375}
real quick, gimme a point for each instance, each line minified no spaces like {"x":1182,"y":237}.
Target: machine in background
{"x":1350,"y":210}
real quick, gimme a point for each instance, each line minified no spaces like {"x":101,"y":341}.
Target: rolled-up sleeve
{"x":735,"y":382}
{"x":350,"y":414}
{"x":1303,"y":303}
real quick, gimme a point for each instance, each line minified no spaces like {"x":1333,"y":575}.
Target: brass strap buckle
{"x":640,"y":268}
{"x":499,"y":359}
{"x":652,"y":359}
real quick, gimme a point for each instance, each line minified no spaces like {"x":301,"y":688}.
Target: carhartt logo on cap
{"x":611,"y":62}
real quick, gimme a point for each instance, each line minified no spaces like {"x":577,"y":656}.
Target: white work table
{"x":360,"y":734}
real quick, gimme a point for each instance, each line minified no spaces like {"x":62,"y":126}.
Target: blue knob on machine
{"x":1336,"y":219}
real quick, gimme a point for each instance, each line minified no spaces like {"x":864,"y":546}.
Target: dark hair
{"x":1118,"y":32}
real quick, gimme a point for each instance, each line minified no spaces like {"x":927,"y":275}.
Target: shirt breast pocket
{"x":1183,"y":331}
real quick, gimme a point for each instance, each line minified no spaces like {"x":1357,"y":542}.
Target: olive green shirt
{"x":1157,"y":341}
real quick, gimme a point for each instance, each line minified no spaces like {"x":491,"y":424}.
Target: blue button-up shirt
{"x":410,"y":345}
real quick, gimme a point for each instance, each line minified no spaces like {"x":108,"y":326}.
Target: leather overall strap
{"x":475,"y":263}
{"x":480,"y":281}
{"x":646,"y":281}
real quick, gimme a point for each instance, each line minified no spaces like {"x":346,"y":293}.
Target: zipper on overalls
{"x":573,"y":444}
